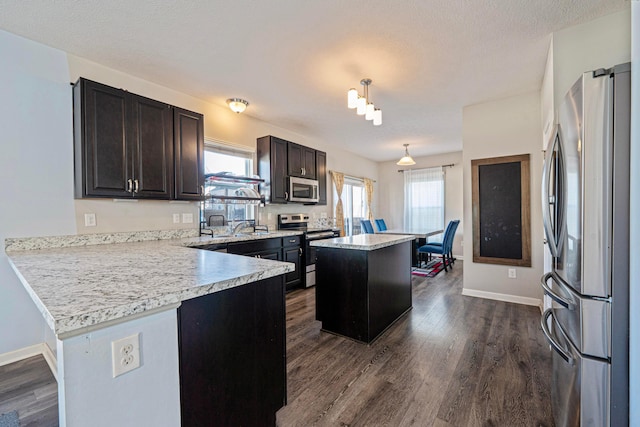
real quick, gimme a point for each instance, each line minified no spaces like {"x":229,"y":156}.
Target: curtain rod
{"x":450,"y":165}
{"x":352,"y":176}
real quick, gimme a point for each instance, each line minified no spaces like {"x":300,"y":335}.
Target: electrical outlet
{"x":89,"y":220}
{"x":176,"y":218}
{"x":512,"y":273}
{"x":187,"y":218}
{"x":125,"y":354}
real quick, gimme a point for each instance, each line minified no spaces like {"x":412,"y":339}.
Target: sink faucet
{"x":241,"y":225}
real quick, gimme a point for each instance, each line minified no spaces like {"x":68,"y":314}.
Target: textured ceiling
{"x":294,"y":60}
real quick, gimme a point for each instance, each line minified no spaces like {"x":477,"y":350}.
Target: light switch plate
{"x":176,"y":218}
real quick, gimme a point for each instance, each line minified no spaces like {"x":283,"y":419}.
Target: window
{"x":424,"y":199}
{"x":354,"y":203}
{"x":220,"y":158}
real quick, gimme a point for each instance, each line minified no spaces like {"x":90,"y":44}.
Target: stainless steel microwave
{"x":302,"y":190}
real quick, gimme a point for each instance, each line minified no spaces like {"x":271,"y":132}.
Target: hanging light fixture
{"x":363,"y":105}
{"x":237,"y":105}
{"x":352,"y":98}
{"x":406,"y":160}
{"x":377,"y":117}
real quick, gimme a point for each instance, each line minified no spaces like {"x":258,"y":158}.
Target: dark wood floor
{"x":452,"y":361}
{"x":29,"y":387}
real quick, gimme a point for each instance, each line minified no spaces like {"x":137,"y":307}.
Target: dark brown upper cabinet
{"x":301,"y":161}
{"x":321,"y":173}
{"x":188,"y":130}
{"x":278,"y":159}
{"x":124,"y":146}
{"x":272,"y":167}
{"x":151,"y":141}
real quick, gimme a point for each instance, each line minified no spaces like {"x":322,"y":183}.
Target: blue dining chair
{"x":436,"y":243}
{"x":366,"y":227}
{"x":444,"y":248}
{"x":382,"y":226}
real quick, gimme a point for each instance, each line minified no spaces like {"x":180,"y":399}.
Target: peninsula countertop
{"x":83,"y":281}
{"x":363,"y":242}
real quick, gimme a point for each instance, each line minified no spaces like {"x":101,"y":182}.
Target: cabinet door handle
{"x":202,"y":190}
{"x":304,"y":172}
{"x":129,"y":186}
{"x":300,"y":250}
{"x":286,"y":195}
{"x":136,"y":185}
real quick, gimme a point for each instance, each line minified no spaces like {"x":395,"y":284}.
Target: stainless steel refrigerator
{"x":585,"y":200}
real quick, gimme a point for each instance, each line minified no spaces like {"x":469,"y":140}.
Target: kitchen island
{"x":202,"y":359}
{"x":363,"y":284}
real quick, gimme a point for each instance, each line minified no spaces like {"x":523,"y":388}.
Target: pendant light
{"x":352,"y":98}
{"x":406,"y":160}
{"x":363,"y":105}
{"x":377,"y":117}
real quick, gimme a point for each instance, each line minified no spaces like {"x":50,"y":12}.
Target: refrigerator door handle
{"x":565,"y":300}
{"x":547,"y":199}
{"x":550,"y":338}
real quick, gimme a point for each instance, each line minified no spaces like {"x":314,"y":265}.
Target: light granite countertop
{"x":80,"y":282}
{"x":221,"y":239}
{"x":363,"y":242}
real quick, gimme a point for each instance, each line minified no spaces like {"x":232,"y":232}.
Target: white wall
{"x":390,"y":189}
{"x":36,"y":169}
{"x":146,"y":396}
{"x":634,"y":253}
{"x":601,"y":43}
{"x":504,"y":127}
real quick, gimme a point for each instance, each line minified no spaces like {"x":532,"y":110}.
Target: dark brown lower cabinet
{"x":233,"y":356}
{"x":360,"y":293}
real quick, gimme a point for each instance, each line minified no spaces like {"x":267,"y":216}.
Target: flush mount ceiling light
{"x":237,"y":105}
{"x":406,"y":160}
{"x":363,"y":105}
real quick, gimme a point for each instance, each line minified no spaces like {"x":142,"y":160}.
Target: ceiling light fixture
{"x":363,"y":105}
{"x":237,"y":105}
{"x":406,"y":160}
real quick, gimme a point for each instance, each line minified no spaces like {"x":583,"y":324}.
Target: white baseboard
{"x":32,"y":350}
{"x":51,"y":359}
{"x":22,"y":353}
{"x":502,"y":297}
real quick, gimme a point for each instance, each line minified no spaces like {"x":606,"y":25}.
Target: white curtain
{"x":424,"y":199}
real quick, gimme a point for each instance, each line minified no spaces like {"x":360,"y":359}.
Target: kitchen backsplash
{"x":319,"y":216}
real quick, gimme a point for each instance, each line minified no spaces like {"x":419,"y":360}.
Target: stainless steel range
{"x":300,"y":222}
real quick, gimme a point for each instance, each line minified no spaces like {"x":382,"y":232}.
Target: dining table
{"x":420,"y":235}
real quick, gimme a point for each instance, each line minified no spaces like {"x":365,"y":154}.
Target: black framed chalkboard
{"x":501,"y":210}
